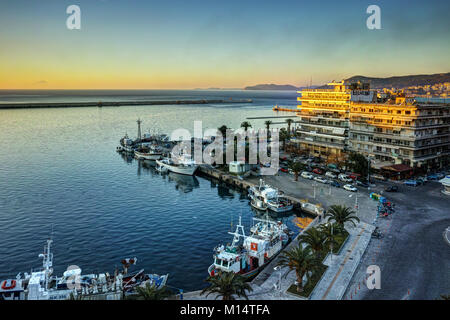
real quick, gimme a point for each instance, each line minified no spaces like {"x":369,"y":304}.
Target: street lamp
{"x":356,"y":202}
{"x":278,"y":268}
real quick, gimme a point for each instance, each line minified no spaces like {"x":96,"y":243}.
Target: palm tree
{"x":226,"y":285}
{"x":296,"y":167}
{"x":283,"y":135}
{"x":329,"y":231}
{"x":223,"y":130}
{"x":246,"y":125}
{"x":300,"y":259}
{"x":341,"y":214}
{"x":314,"y":239}
{"x":152,"y":292}
{"x":289,"y":122}
{"x":268,"y":123}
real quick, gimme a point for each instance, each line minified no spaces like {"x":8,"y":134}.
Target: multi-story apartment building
{"x":324,"y":118}
{"x":387,"y":127}
{"x":401,"y":131}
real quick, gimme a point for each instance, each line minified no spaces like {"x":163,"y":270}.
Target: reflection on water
{"x":104,"y":206}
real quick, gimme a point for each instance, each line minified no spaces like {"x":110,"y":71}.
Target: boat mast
{"x":47,"y":261}
{"x":238,"y":233}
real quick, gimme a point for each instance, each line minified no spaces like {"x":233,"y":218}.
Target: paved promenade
{"x":341,"y":267}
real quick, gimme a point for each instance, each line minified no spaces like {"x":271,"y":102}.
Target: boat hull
{"x":147,"y":156}
{"x":186,"y":170}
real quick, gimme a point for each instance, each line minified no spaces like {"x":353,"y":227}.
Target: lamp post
{"x":278,"y":268}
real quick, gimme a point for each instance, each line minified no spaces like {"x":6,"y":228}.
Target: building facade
{"x":401,"y":132}
{"x":324,"y":118}
{"x":387,"y":127}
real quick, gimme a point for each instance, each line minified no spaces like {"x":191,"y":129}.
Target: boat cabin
{"x":11,"y":290}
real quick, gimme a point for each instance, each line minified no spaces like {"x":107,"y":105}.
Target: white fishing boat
{"x":258,"y":203}
{"x":182,"y":164}
{"x":271,"y":197}
{"x":41,"y":284}
{"x":148,"y":153}
{"x":247,"y":255}
{"x":127,"y":144}
{"x":280,"y":204}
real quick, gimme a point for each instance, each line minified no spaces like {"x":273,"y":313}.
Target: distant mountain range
{"x":403,"y":81}
{"x":375,"y":83}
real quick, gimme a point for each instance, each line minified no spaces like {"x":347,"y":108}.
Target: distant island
{"x":272,"y":86}
{"x":375,"y":83}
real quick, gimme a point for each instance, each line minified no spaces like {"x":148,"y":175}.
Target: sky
{"x":185,"y":44}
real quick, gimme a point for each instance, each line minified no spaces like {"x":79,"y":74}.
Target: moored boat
{"x":148,"y":153}
{"x":182,"y":165}
{"x":41,"y":284}
{"x":247,"y":255}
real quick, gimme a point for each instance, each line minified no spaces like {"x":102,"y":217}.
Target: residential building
{"x":400,"y":130}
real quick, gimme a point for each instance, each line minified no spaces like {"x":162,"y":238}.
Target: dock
{"x":100,"y":104}
{"x":244,"y":184}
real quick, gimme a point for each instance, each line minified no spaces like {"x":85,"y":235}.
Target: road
{"x":413,"y":256}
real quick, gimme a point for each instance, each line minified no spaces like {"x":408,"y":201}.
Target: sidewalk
{"x":341,"y":267}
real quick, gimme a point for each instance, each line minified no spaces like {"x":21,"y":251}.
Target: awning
{"x":397,"y":168}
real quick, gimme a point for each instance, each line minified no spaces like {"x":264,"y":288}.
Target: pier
{"x":99,"y":104}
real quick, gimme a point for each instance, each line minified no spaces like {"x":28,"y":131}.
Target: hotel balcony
{"x":314,"y":141}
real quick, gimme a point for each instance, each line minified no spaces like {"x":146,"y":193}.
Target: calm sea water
{"x":59,"y":169}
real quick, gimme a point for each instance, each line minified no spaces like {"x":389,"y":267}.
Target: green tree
{"x":268,"y":124}
{"x":358,"y":164}
{"x":246,"y":125}
{"x":302,"y":261}
{"x":152,"y":292}
{"x":223,"y":130}
{"x":314,"y":239}
{"x":227,"y":285}
{"x":289,"y":122}
{"x":283,"y":135}
{"x":296,"y":167}
{"x":341,"y":214}
{"x":329,"y":231}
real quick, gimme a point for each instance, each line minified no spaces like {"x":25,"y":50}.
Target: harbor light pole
{"x":139,"y":121}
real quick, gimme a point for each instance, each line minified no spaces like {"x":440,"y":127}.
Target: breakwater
{"x":118,"y":103}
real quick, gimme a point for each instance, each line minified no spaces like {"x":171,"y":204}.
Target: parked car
{"x":350,"y":187}
{"x":362,"y":184}
{"x":433,"y":176}
{"x":345,"y":178}
{"x":284,"y":170}
{"x":421,"y":180}
{"x":391,"y":189}
{"x":378,"y":177}
{"x":330,"y":174}
{"x":321,"y":180}
{"x":440,"y":175}
{"x":413,"y":183}
{"x":307,"y":175}
{"x":317,"y":171}
{"x":335,"y":184}
{"x":354,"y":176}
